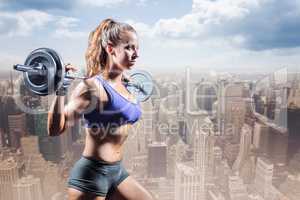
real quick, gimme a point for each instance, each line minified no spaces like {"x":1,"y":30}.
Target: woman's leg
{"x":87,"y":183}
{"x":114,"y":195}
{"x":132,"y":190}
{"x":74,"y":194}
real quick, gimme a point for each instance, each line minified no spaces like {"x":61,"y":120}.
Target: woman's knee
{"x":74,"y":194}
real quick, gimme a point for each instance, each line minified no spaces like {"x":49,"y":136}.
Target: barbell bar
{"x":43,"y":71}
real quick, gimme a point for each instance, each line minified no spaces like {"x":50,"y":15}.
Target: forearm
{"x":56,"y":116}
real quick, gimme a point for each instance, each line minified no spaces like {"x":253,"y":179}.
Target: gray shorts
{"x":95,"y":176}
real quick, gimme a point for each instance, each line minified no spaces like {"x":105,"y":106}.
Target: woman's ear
{"x":110,"y":49}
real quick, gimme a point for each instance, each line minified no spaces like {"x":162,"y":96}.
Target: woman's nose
{"x":135,"y":54}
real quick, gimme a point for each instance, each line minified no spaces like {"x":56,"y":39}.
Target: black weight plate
{"x":40,"y":84}
{"x":60,"y":70}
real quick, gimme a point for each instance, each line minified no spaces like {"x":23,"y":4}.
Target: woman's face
{"x":126,"y":53}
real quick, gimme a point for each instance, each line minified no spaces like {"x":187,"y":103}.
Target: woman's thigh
{"x":114,"y":195}
{"x":74,"y":194}
{"x":130,"y":189}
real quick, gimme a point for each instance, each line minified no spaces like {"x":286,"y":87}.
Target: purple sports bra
{"x":116,"y":112}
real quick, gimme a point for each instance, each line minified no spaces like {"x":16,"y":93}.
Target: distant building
{"x":215,"y":195}
{"x":12,"y":122}
{"x":27,"y":188}
{"x":161,"y":188}
{"x":266,"y":139}
{"x":237,"y":189}
{"x":206,"y":96}
{"x":17,"y":128}
{"x":201,"y":149}
{"x":290,"y":188}
{"x":263,"y":176}
{"x":53,"y":181}
{"x":245,"y":143}
{"x":183,"y":130}
{"x":8,"y":176}
{"x":218,"y":156}
{"x":157,"y":160}
{"x":30,"y":145}
{"x":187,"y":181}
{"x":232,"y":106}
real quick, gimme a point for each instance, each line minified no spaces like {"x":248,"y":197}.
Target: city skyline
{"x":218,"y":149}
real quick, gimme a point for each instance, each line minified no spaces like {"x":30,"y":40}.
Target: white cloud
{"x":221,"y":9}
{"x":250,"y":24}
{"x":64,"y":28}
{"x":29,"y":22}
{"x":66,"y":33}
{"x":185,"y":27}
{"x":66,"y":22}
{"x":200,"y":22}
{"x":24,"y":22}
{"x":101,"y":3}
{"x":142,"y":3}
{"x":205,"y":19}
{"x":143,"y":29}
{"x":111,"y":3}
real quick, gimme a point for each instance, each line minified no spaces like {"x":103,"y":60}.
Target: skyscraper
{"x":187,"y":181}
{"x":29,"y":145}
{"x":10,"y":114}
{"x":232,"y":106}
{"x":206,"y":94}
{"x":27,"y":188}
{"x":8,"y":176}
{"x":267,"y":139}
{"x":17,"y":128}
{"x":183,"y":131}
{"x":263,"y":176}
{"x":245,"y":142}
{"x":237,"y":189}
{"x":201,"y":144}
{"x":157,"y":160}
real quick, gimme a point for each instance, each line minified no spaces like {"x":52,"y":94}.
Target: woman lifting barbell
{"x":108,"y":110}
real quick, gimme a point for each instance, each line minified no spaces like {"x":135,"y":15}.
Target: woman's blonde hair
{"x":108,"y":31}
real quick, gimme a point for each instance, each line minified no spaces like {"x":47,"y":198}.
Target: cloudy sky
{"x":222,"y":35}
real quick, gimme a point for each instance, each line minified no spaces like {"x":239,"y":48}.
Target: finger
{"x":73,"y":68}
{"x":69,"y":67}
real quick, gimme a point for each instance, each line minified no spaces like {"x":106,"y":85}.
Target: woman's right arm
{"x":61,"y":116}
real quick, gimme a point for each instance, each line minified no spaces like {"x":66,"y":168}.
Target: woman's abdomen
{"x":107,"y":147}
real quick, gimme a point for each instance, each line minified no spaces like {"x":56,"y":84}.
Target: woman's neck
{"x":113,"y":72}
{"x":113,"y":75}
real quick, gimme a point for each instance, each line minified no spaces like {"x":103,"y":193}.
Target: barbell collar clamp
{"x":138,"y":86}
{"x":37,"y":68}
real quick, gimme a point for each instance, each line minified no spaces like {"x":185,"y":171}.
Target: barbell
{"x":43,"y":73}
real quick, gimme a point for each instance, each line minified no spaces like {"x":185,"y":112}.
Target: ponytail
{"x":96,"y":55}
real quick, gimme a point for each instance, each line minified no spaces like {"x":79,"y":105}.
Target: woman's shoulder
{"x":91,"y":86}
